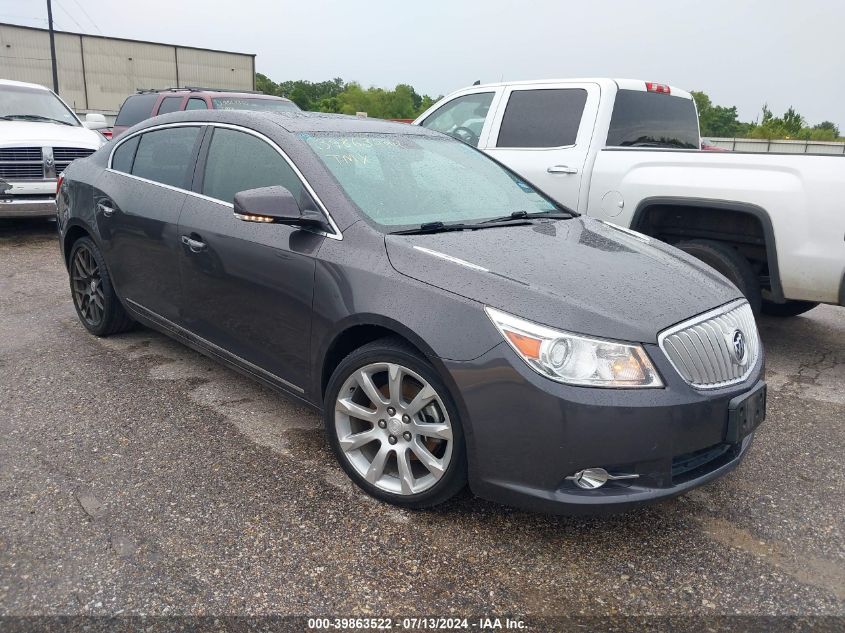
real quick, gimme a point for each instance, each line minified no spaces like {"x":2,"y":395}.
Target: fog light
{"x":592,"y":478}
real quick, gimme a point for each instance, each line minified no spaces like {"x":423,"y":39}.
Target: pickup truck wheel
{"x":728,"y":261}
{"x":788,"y":309}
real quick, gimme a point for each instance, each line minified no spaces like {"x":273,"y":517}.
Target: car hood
{"x":580,"y":275}
{"x":32,"y":133}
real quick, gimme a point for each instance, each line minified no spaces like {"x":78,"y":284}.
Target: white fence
{"x":764,"y":146}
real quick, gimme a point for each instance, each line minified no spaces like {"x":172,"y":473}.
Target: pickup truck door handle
{"x":562,"y":169}
{"x":106,"y":209}
{"x":195,"y":245}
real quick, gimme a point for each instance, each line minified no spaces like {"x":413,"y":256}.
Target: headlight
{"x":574,"y":359}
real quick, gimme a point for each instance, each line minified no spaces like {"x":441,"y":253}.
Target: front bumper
{"x":27,"y":207}
{"x":526,"y":434}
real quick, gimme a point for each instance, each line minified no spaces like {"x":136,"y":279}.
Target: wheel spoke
{"x":394,"y":377}
{"x":80,"y":267}
{"x":365,"y":381}
{"x":406,"y":475}
{"x":439,"y":431}
{"x":98,"y":302}
{"x":426,"y":395}
{"x":354,"y":441}
{"x":376,"y":469}
{"x":352,"y":409}
{"x":434,"y":465}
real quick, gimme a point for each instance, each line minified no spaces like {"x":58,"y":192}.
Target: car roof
{"x":291,"y":122}
{"x":22,"y":84}
{"x":213,"y":93}
{"x":623,"y":84}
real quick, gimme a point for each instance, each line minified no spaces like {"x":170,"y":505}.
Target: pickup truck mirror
{"x":94,"y":121}
{"x":274,"y":204}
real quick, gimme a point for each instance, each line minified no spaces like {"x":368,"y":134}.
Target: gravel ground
{"x":137,"y":476}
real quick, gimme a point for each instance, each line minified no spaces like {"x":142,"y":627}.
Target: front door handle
{"x":562,"y":169}
{"x":105,"y":209}
{"x":195,"y":245}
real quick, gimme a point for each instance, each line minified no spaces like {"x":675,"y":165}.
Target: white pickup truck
{"x":39,"y":136}
{"x":628,"y":152}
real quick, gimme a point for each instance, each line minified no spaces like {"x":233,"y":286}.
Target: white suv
{"x":39,"y":137}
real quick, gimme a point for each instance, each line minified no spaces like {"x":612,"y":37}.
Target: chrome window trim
{"x":701,"y":318}
{"x":335,"y":235}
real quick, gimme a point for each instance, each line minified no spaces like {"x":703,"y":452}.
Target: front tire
{"x":94,"y":298}
{"x":788,"y":309}
{"x":393,"y":426}
{"x":728,"y":261}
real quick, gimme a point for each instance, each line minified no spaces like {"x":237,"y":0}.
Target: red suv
{"x":149,"y":103}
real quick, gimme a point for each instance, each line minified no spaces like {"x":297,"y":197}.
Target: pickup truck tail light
{"x":661,"y":88}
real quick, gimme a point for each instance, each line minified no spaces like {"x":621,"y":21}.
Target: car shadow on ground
{"x":24,"y":228}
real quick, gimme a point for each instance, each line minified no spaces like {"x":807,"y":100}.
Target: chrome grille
{"x":702,"y":349}
{"x":22,"y":171}
{"x":20,"y":154}
{"x":21,"y":163}
{"x":64,"y":155}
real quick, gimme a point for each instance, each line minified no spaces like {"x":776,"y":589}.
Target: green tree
{"x":715,"y":120}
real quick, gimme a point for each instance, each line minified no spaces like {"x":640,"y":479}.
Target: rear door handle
{"x":195,"y":245}
{"x":105,"y":209}
{"x":562,"y":169}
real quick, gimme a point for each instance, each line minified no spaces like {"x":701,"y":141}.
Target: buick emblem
{"x":739,"y":347}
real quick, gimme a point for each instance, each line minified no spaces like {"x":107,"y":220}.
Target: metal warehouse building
{"x":97,"y":73}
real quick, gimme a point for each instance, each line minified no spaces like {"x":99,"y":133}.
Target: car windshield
{"x":32,"y":104}
{"x":247,"y":103}
{"x":406,"y":180}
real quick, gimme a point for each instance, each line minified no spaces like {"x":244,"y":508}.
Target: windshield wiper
{"x":525,"y":215}
{"x":32,"y":117}
{"x":668,"y":144}
{"x":442,"y":227}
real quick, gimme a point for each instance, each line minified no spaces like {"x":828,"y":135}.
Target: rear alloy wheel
{"x":392,"y":427}
{"x":94,"y":298}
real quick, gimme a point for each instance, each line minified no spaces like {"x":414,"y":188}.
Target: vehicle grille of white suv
{"x":716,"y":349}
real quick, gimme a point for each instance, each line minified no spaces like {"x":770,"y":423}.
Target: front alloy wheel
{"x":392,"y":429}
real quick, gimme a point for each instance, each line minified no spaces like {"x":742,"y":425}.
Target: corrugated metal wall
{"x":98,"y":73}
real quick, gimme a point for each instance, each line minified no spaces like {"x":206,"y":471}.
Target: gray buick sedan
{"x":454,"y":324}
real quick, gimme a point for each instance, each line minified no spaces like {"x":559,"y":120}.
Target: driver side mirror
{"x":275,"y":204}
{"x":94,"y":121}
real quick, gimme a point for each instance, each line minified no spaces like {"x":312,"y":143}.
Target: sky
{"x":740,"y":52}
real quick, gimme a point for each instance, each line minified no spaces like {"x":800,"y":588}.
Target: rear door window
{"x":652,"y":119}
{"x":169,"y":104}
{"x":167,"y":156}
{"x":542,"y":118}
{"x":462,"y":117}
{"x":195,"y":103}
{"x":135,"y":109}
{"x":124,"y":155}
{"x":238,"y":161}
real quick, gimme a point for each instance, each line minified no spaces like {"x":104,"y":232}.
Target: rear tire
{"x":94,"y":298}
{"x":728,"y":261}
{"x":393,"y":426}
{"x":788,"y":309}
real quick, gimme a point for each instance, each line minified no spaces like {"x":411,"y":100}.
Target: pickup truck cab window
{"x":653,"y":119}
{"x":462,"y":117}
{"x":195,"y":103}
{"x":542,"y":118}
{"x":238,"y":161}
{"x":166,"y":156}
